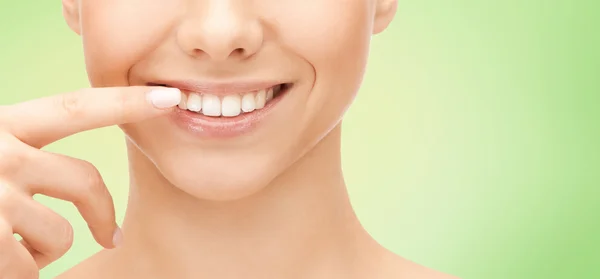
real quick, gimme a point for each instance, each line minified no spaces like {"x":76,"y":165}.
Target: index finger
{"x":42,"y":121}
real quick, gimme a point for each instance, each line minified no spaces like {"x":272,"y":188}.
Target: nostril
{"x":198,"y":52}
{"x":238,"y":51}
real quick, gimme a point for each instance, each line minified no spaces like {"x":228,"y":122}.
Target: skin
{"x":270,"y":204}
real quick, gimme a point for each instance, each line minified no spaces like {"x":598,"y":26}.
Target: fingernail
{"x":164,"y":98}
{"x":118,"y":237}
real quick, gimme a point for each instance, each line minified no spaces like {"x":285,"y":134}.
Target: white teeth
{"x":261,"y":99}
{"x":211,"y":105}
{"x":183,"y":103}
{"x":269,"y":95}
{"x":248,"y":102}
{"x":232,"y":105}
{"x":194,"y":102}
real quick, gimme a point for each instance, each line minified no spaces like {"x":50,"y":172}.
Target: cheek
{"x":334,"y":37}
{"x":116,"y":34}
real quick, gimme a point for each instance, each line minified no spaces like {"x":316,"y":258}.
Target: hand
{"x":25,"y":170}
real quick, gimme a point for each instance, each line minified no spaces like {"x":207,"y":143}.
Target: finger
{"x":34,"y":253}
{"x":73,"y":180}
{"x":47,"y":235}
{"x":15,"y":260}
{"x":45,"y":120}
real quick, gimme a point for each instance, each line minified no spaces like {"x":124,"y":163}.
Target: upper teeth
{"x":227,"y":106}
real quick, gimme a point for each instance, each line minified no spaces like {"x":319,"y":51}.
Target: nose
{"x":219,"y":30}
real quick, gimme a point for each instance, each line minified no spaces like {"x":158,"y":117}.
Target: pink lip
{"x":203,"y":126}
{"x":219,"y":88}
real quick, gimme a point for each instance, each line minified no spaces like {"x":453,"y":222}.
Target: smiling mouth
{"x":219,"y":105}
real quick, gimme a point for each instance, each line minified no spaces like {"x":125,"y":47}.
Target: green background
{"x":486,"y":159}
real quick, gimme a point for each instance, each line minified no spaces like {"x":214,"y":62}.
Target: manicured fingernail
{"x":118,"y":237}
{"x":164,"y":97}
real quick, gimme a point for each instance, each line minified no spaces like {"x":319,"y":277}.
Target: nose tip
{"x":220,"y":35}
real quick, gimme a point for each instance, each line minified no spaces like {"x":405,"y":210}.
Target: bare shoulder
{"x":397,"y":267}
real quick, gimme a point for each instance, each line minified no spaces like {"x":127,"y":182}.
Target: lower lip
{"x":223,"y":127}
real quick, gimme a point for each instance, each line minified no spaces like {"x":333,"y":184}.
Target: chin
{"x":226,"y":186}
{"x":216,"y":175}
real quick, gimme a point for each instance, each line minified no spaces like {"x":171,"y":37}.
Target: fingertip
{"x":164,"y":98}
{"x":108,"y":238}
{"x":117,"y":239}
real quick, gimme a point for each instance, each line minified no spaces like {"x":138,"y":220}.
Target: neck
{"x":300,"y":226}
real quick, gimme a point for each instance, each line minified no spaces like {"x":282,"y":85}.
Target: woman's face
{"x":312,"y":53}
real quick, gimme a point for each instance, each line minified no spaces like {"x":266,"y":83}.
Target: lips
{"x":226,"y":100}
{"x":225,"y":110}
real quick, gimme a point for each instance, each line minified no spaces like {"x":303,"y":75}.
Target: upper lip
{"x":219,"y":88}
